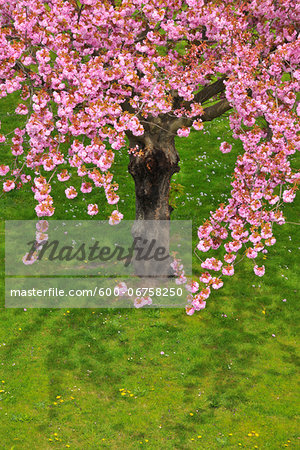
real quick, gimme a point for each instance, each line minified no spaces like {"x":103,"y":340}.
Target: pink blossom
{"x":192,"y":286}
{"x":139,"y":302}
{"x":63,"y":176}
{"x":122,"y":288}
{"x":93,"y":209}
{"x":8,"y":185}
{"x":86,"y":187}
{"x":30,"y":258}
{"x":251,"y":253}
{"x":115,"y":217}
{"x":71,"y":192}
{"x":225,"y":147}
{"x":4,"y":170}
{"x":228,"y":270}
{"x":183,"y":132}
{"x":259,"y":271}
{"x":288,"y":195}
{"x":198,"y":304}
{"x":189,"y":310}
{"x":216,"y":283}
{"x":205,"y":277}
{"x":21,"y":109}
{"x":42,"y":226}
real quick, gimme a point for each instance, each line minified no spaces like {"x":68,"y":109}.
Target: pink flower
{"x":205,"y":277}
{"x":212,"y":264}
{"x":139,"y":302}
{"x":192,"y":286}
{"x":181,"y":279}
{"x":229,"y":258}
{"x":63,"y":176}
{"x":225,"y":147}
{"x":198,"y":304}
{"x":198,"y":124}
{"x":189,"y":310}
{"x":112,"y":197}
{"x":93,"y":209}
{"x":216,"y":283}
{"x":204,"y":245}
{"x":122,"y":288}
{"x":148,"y":300}
{"x":4,"y":170}
{"x":8,"y":185}
{"x":71,"y":192}
{"x":204,"y":294}
{"x":42,"y":225}
{"x":115,"y":217}
{"x":86,"y":187}
{"x":30,"y":258}
{"x":251,"y":253}
{"x":228,"y":270}
{"x":40,"y":237}
{"x":259,"y":271}
{"x":183,"y":132}
{"x":21,"y":109}
{"x":288,"y":196}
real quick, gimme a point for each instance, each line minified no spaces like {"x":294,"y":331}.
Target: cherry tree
{"x":111,"y":76}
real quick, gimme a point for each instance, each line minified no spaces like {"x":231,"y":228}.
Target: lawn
{"x":223,"y":378}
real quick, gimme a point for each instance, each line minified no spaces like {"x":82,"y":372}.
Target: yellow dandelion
{"x":199,"y":437}
{"x":192,"y":439}
{"x":191,"y":414}
{"x":2,"y":390}
{"x":61,"y":401}
{"x":263,"y":311}
{"x":67,"y":445}
{"x":123,"y":393}
{"x":72,"y":398}
{"x":230,"y":434}
{"x":146,"y":440}
{"x":2,"y":381}
{"x":256,"y":434}
{"x":131,"y":395}
{"x":20,"y":329}
{"x":249,"y":434}
{"x":288,"y":441}
{"x":54,"y":403}
{"x":68,"y":312}
{"x":58,"y":396}
{"x":54,"y":434}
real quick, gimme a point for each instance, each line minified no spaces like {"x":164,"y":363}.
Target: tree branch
{"x":210,"y":91}
{"x":216,"y":110}
{"x":210,"y":113}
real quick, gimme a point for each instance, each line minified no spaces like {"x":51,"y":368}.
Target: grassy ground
{"x":223,"y":378}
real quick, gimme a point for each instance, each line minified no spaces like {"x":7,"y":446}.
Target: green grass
{"x":222,"y":374}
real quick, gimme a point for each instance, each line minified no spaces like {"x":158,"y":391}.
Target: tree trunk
{"x":152,"y":166}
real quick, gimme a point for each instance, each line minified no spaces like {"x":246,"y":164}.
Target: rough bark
{"x":152,"y":166}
